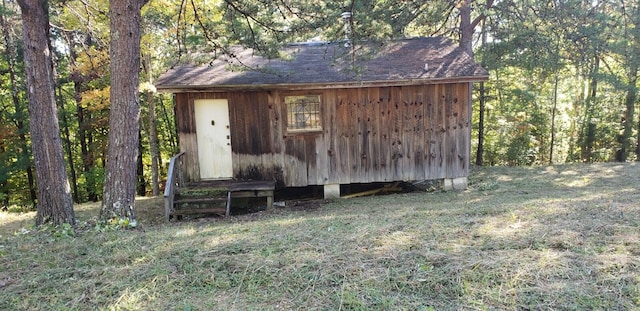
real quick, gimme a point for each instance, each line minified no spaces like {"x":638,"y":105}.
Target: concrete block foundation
{"x":456,"y":184}
{"x":332,"y":191}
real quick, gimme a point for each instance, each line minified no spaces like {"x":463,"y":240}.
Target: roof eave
{"x":320,"y":85}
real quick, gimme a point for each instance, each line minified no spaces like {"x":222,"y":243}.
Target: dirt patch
{"x":304,"y":205}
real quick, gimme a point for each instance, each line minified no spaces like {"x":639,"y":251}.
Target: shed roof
{"x":331,"y":65}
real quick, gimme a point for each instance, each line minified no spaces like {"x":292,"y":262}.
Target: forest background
{"x":563,"y":75}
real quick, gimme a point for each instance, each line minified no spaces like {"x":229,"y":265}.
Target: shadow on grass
{"x":519,"y":238}
{"x":11,"y":222}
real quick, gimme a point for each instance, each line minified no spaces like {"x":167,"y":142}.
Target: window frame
{"x":289,"y":114}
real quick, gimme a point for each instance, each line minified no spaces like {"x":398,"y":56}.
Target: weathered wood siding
{"x":369,"y":135}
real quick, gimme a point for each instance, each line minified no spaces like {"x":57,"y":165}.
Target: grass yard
{"x":542,"y":238}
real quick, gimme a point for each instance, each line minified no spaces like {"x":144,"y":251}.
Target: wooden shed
{"x":329,"y":114}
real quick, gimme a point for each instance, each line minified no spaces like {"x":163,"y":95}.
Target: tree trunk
{"x":87,"y":155}
{"x":627,"y":121}
{"x":153,"y":131}
{"x":4,"y":177}
{"x":84,"y":136}
{"x":482,"y":104}
{"x":635,"y":63}
{"x":124,"y":118}
{"x":638,"y":142}
{"x":33,"y":195}
{"x":466,"y":29}
{"x":68,"y":149}
{"x":153,"y":145}
{"x":575,"y":113}
{"x":142,"y":183}
{"x":553,"y":116}
{"x":54,"y":194}
{"x":4,"y":174}
{"x":632,"y":64}
{"x":10,"y":54}
{"x":589,"y":127}
{"x":170,"y":127}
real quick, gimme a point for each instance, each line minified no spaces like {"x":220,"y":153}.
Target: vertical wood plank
{"x":237,"y":131}
{"x":450,"y":123}
{"x":262,"y":123}
{"x":429,"y":131}
{"x":374,"y":126}
{"x":295,"y":174}
{"x":463,"y":135}
{"x":191,"y":145}
{"x":440,"y":129}
{"x":274,"y":103}
{"x":246,"y":121}
{"x":397,"y":154}
{"x":321,"y":146}
{"x":362,"y":97}
{"x":418,"y":133}
{"x":310,"y":159}
{"x":385,"y":133}
{"x":331,"y":137}
{"x":276,"y":131}
{"x":342,"y":111}
{"x":406,"y":107}
{"x":354,"y":139}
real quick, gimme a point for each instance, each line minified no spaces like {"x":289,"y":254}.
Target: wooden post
{"x":170,"y":188}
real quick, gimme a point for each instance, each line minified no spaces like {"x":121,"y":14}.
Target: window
{"x":303,"y":113}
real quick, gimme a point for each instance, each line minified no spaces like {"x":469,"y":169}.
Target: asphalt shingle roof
{"x":424,"y":60}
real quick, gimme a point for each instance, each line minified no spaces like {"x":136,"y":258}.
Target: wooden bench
{"x":251,"y":189}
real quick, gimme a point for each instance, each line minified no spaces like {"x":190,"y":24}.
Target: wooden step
{"x":215,"y":184}
{"x":198,"y":197}
{"x":202,"y":192}
{"x":195,"y":211}
{"x":203,"y":199}
{"x":252,"y":186}
{"x":252,"y":189}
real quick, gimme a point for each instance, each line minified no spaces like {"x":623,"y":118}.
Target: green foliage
{"x":49,"y":232}
{"x":15,"y":149}
{"x":532,"y":45}
{"x":114,"y":224}
{"x":589,"y":48}
{"x":520,"y":150}
{"x":19,"y":209}
{"x":63,"y":231}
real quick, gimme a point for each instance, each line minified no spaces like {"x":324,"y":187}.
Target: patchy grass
{"x":561,"y":237}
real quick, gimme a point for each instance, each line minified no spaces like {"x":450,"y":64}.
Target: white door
{"x":214,"y":138}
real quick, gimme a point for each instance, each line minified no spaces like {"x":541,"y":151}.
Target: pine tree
{"x":54,"y":204}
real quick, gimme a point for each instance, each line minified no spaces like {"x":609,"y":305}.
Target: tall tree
{"x":124,"y":118}
{"x":67,"y":144}
{"x":16,"y":86}
{"x":148,"y":90}
{"x":482,"y":100}
{"x":630,"y":47}
{"x":54,"y":204}
{"x":153,"y":144}
{"x":468,"y":26}
{"x":467,"y":29}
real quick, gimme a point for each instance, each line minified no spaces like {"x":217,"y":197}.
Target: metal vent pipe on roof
{"x":346,"y":19}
